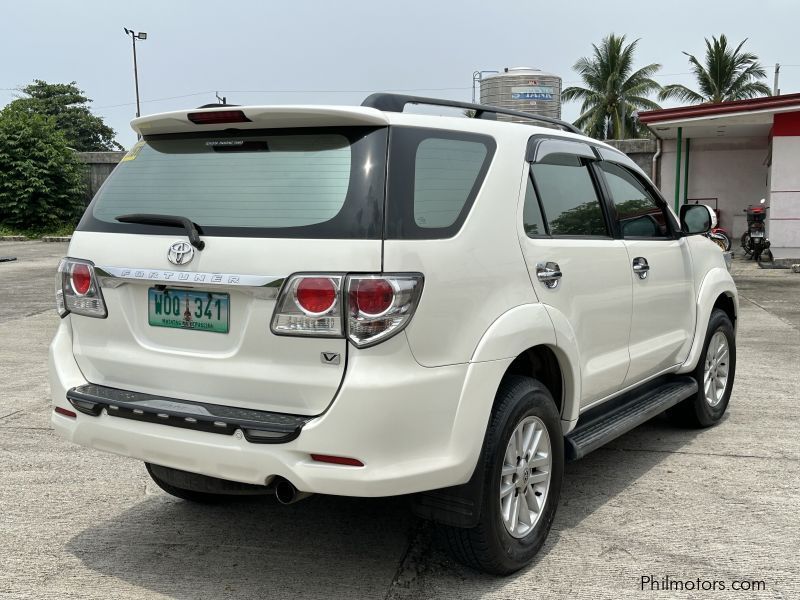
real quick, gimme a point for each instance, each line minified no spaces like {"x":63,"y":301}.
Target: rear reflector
{"x":65,"y":411}
{"x":218,"y":116}
{"x":337,"y":460}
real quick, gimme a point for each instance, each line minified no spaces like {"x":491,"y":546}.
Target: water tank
{"x":524,"y":89}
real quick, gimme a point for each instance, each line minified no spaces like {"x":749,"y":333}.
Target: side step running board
{"x":599,"y":426}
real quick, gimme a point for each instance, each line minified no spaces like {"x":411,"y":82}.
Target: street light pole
{"x":136,"y":36}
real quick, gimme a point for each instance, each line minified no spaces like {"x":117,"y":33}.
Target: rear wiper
{"x":192,"y":229}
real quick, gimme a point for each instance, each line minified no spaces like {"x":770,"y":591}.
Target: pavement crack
{"x":10,"y":414}
{"x":415,"y":561}
{"x":23,"y":428}
{"x":654,"y":451}
{"x":765,"y":309}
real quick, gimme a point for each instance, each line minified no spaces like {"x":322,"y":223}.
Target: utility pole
{"x":776,"y":91}
{"x":136,"y":36}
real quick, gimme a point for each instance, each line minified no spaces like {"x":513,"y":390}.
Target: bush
{"x":41,"y":179}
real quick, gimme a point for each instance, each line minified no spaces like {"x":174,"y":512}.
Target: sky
{"x":337,"y":52}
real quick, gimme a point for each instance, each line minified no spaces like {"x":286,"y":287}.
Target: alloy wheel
{"x":717,"y":365}
{"x":525,"y":476}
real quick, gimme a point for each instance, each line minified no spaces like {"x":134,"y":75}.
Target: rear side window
{"x":434,"y":177}
{"x":568,"y":196}
{"x":270,"y":183}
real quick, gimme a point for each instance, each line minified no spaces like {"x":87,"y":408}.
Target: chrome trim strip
{"x":266,"y":285}
{"x":672,"y":369}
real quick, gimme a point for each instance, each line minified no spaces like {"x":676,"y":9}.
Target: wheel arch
{"x":717,"y":290}
{"x":541,"y":344}
{"x":530,"y":339}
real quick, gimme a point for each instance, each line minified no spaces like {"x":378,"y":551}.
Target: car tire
{"x":711,"y":401}
{"x":201,"y":489}
{"x":490,"y":546}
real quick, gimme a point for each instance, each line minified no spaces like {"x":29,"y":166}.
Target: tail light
{"x":366,"y":309}
{"x":309,"y":305}
{"x":77,"y":290}
{"x":380,"y":306}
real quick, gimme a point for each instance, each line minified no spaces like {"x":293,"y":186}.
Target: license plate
{"x":188,"y":309}
{"x":757,"y":234}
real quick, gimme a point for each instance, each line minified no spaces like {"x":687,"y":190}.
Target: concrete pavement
{"x":719,"y":504}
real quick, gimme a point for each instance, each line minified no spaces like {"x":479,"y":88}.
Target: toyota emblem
{"x":180,"y":253}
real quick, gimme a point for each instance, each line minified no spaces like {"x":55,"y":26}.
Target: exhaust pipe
{"x":286,"y":493}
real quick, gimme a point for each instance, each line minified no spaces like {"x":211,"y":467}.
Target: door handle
{"x":549,"y":274}
{"x":640,"y":267}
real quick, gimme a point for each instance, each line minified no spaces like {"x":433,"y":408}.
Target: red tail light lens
{"x":372,"y":296}
{"x":315,"y":295}
{"x":218,"y":116}
{"x":81,"y":278}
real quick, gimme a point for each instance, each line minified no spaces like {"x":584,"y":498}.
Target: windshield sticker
{"x":134,"y":152}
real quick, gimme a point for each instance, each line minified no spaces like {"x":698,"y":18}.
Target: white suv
{"x":364,"y":302}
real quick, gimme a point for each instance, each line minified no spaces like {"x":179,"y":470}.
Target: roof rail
{"x":397,"y":102}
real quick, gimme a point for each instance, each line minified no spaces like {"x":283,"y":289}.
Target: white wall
{"x":733,"y":170}
{"x":784,"y":201}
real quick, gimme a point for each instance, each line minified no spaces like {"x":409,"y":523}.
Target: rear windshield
{"x":321,"y":183}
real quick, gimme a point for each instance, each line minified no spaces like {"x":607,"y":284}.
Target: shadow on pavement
{"x":329,"y":546}
{"x":322,"y":547}
{"x":589,"y":485}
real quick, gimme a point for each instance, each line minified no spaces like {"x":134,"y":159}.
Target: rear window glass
{"x":434,"y":177}
{"x":322,"y":183}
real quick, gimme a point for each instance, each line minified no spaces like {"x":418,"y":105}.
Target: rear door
{"x":268,"y":203}
{"x":664,"y":309}
{"x":578,"y":270}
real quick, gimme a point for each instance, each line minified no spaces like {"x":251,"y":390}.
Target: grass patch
{"x":35,"y":234}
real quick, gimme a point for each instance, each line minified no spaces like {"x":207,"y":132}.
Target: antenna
{"x":220,"y":99}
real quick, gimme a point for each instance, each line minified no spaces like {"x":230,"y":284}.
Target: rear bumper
{"x":414,"y":428}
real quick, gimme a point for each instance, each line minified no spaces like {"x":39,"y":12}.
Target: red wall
{"x":787,"y":123}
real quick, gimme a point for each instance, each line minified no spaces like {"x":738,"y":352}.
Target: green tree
{"x":613,"y":90}
{"x":728,"y":74}
{"x":41,"y":180}
{"x":68,"y":105}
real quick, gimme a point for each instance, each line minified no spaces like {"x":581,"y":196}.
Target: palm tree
{"x":728,"y":74}
{"x":614,"y":91}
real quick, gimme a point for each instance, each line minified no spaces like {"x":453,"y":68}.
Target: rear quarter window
{"x":434,"y":177}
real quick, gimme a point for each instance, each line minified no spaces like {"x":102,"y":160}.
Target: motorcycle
{"x":754,"y":240}
{"x":721,"y":237}
{"x":716,"y":234}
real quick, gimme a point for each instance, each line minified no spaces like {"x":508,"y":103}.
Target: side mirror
{"x":695,"y":218}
